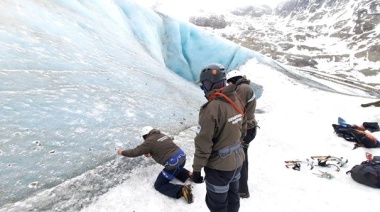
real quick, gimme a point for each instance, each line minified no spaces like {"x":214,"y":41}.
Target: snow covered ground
{"x":295,"y":123}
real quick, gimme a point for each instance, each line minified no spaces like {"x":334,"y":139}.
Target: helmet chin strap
{"x":203,"y":88}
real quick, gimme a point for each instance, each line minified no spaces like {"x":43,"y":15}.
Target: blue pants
{"x":163,"y":184}
{"x":228,"y":201}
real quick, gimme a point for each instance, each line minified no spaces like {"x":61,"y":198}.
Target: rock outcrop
{"x":334,"y":36}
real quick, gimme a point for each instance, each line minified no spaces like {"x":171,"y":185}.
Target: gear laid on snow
{"x":340,"y":161}
{"x":323,"y":161}
{"x":358,"y":134}
{"x":296,"y":164}
{"x":326,"y":175}
{"x":368,"y":172}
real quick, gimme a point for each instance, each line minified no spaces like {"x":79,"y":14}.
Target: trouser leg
{"x":243,"y":182}
{"x":164,"y":186}
{"x":183,"y":175}
{"x":222,"y":190}
{"x":216,"y":202}
{"x":233,"y":197}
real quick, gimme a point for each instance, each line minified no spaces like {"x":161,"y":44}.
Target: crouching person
{"x":165,"y":152}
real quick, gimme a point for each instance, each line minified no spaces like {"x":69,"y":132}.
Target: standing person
{"x":165,"y":152}
{"x":247,"y":95}
{"x":218,"y":141}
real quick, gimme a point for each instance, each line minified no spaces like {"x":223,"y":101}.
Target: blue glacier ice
{"x":80,"y":78}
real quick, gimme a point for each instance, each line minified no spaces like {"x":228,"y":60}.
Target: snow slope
{"x":295,"y":123}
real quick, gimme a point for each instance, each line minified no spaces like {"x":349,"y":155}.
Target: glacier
{"x":80,"y":78}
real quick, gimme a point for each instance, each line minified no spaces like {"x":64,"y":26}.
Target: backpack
{"x":356,"y":134}
{"x":367,"y":173}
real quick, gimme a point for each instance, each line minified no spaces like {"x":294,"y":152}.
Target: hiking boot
{"x":187,"y":193}
{"x":244,"y":195}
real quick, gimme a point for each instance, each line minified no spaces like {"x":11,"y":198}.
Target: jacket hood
{"x":153,"y":131}
{"x":229,"y":91}
{"x":243,"y":80}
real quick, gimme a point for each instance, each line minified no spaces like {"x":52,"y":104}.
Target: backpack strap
{"x":218,"y":93}
{"x":358,"y":145}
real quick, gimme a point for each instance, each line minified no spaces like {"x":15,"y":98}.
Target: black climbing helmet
{"x":212,"y":77}
{"x":214,"y":73}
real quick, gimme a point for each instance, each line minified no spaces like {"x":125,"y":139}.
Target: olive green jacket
{"x":220,"y":125}
{"x":247,"y":95}
{"x":160,"y":146}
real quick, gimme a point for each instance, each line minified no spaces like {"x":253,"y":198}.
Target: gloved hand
{"x":251,"y":134}
{"x":197,"y":177}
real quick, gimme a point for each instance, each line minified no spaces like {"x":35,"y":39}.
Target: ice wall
{"x":78,"y":78}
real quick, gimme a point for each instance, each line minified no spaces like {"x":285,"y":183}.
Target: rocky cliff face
{"x":340,"y":37}
{"x":352,"y":21}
